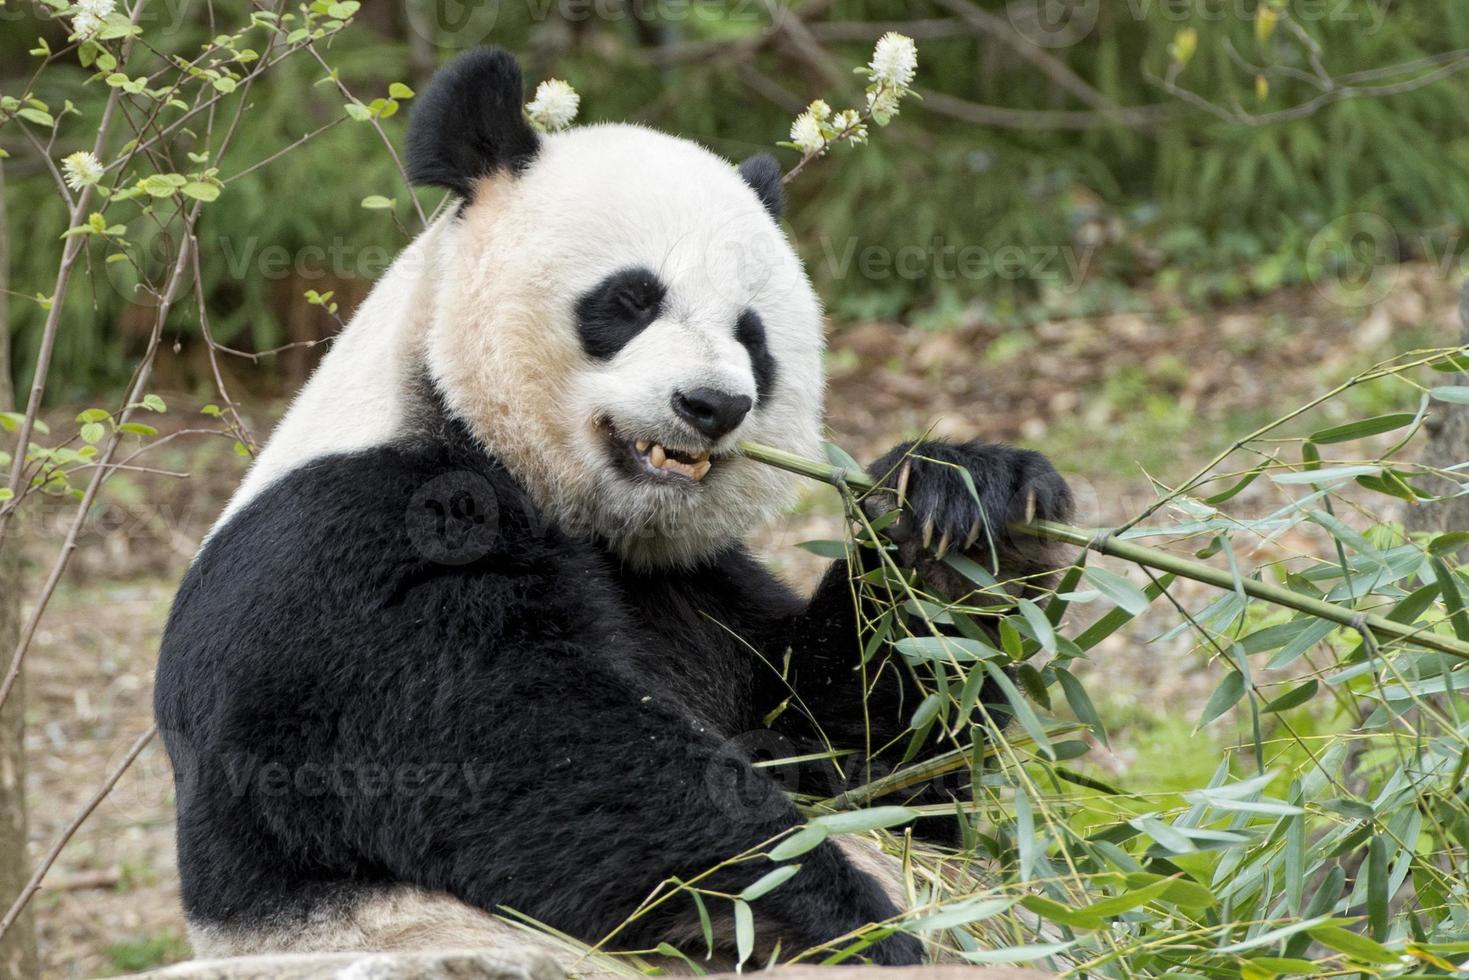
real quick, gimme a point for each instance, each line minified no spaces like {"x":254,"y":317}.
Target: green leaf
{"x":1044,"y":633}
{"x":1050,"y":909}
{"x":1276,"y":965}
{"x":1290,"y":699}
{"x":1017,"y":954}
{"x":1448,"y":544}
{"x":1323,"y":477}
{"x":1109,"y":908}
{"x":1454,"y":394}
{"x":1225,"y":696}
{"x":1081,"y":703}
{"x":803,"y":840}
{"x":1022,"y":709}
{"x":1234,"y":491}
{"x":201,"y":190}
{"x":93,"y":415}
{"x":92,"y":432}
{"x":376,"y":202}
{"x":744,"y":930}
{"x":357,"y":111}
{"x":1119,"y":590}
{"x":161,"y":185}
{"x":38,"y":116}
{"x":769,"y":882}
{"x":1117,"y":618}
{"x":962,"y":914}
{"x":1451,"y":363}
{"x":341,"y":11}
{"x":1378,"y":872}
{"x":1363,"y":428}
{"x":927,"y":711}
{"x":1271,"y":937}
{"x":1452,"y":600}
{"x":946,"y":649}
{"x":400,"y":91}
{"x":137,"y":429}
{"x":825,"y":549}
{"x":861,"y":821}
{"x":668,"y":949}
{"x":1358,"y":947}
{"x":1183,"y":892}
{"x":154,"y":403}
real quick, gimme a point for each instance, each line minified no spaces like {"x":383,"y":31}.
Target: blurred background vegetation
{"x":1166,"y":201}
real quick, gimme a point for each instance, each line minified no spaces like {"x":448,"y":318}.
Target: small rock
{"x":453,"y":965}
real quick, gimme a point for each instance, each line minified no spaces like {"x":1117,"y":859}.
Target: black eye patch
{"x":617,"y":309}
{"x":750,"y":331}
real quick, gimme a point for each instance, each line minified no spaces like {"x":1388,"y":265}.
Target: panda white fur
{"x":478,"y":631}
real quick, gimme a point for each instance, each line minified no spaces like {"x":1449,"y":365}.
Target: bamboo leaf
{"x":769,"y":882}
{"x":1354,"y":945}
{"x":803,"y":840}
{"x":1363,"y":428}
{"x":1081,"y":702}
{"x":1225,"y":696}
{"x":860,"y":821}
{"x":1454,"y":394}
{"x":1045,"y":634}
{"x":1119,"y":590}
{"x":1292,"y":698}
{"x":1117,"y":618}
{"x":1022,"y":709}
{"x":744,"y":931}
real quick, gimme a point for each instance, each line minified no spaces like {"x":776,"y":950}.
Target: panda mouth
{"x":666,"y":463}
{"x":653,"y":460}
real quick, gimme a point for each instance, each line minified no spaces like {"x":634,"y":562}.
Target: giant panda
{"x":478,"y":632}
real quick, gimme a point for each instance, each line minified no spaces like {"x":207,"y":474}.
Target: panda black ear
{"x":469,"y":123}
{"x":762,"y":172}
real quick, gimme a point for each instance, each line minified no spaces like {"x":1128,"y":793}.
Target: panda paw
{"x":899,"y":949}
{"x":938,"y":509}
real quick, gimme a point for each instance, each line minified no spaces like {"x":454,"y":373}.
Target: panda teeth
{"x":658,"y":458}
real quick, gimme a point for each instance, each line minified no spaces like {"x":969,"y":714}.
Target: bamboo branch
{"x":1103,"y":542}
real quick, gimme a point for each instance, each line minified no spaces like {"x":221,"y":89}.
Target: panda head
{"x":615,"y":310}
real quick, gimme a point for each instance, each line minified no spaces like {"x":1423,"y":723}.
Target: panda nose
{"x":714,"y":413}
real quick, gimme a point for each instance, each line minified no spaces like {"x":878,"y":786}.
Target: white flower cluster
{"x":554,"y":106}
{"x":894,"y":61}
{"x":88,"y":16}
{"x":890,"y":72}
{"x":818,"y":127}
{"x":81,"y":169}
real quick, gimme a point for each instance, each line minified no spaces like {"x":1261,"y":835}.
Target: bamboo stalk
{"x":1102,"y":542}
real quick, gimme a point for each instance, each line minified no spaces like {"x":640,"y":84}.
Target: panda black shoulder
{"x":470,"y":124}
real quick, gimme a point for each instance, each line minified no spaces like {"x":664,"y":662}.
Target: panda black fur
{"x":459,"y":643}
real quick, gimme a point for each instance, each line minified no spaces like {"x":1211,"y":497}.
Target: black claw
{"x":1011,"y":485}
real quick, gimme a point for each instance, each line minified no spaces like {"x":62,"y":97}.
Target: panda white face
{"x":617,"y":313}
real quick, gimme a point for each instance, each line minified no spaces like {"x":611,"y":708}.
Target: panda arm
{"x":862,"y":708}
{"x":602,"y":789}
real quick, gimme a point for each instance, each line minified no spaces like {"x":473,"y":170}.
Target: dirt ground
{"x":1163,"y":387}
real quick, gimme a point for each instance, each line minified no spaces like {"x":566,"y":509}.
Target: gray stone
{"x":456,"y":965}
{"x":468,"y":965}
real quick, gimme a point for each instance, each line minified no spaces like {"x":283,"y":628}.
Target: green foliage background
{"x":1204,"y":208}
